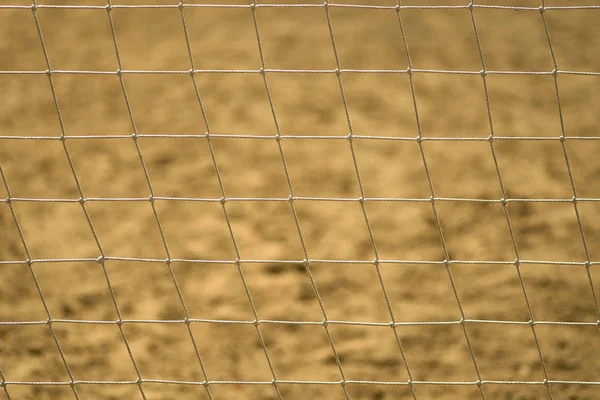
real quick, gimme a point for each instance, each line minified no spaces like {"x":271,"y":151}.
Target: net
{"x":280,"y":200}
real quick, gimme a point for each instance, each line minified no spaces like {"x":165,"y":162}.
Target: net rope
{"x":292,"y":199}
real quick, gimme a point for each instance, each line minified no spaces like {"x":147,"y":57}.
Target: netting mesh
{"x":280,"y":200}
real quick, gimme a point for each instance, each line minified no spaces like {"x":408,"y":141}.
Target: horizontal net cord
{"x":303,"y":137}
{"x":285,"y":322}
{"x":303,"y":382}
{"x":301,"y":262}
{"x":261,"y":71}
{"x":468,"y":6}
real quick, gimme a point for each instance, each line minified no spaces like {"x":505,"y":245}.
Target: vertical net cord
{"x":168,"y":261}
{"x":225,"y":211}
{"x":38,"y":289}
{"x":565,"y":153}
{"x":362,"y":203}
{"x":3,"y":379}
{"x":101,"y":259}
{"x":306,"y":262}
{"x":504,"y":206}
{"x":25,"y":247}
{"x":505,"y":209}
{"x":433,"y":207}
{"x":151,"y":198}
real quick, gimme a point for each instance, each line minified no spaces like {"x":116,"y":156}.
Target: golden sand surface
{"x":417,"y":296}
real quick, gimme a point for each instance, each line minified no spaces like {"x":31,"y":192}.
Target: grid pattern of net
{"x":292,"y":199}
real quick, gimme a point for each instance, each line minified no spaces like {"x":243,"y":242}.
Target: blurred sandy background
{"x":449,"y":106}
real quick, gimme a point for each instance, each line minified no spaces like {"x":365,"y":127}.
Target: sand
{"x":291,"y":299}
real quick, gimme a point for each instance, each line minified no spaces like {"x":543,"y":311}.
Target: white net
{"x":274,"y":200}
